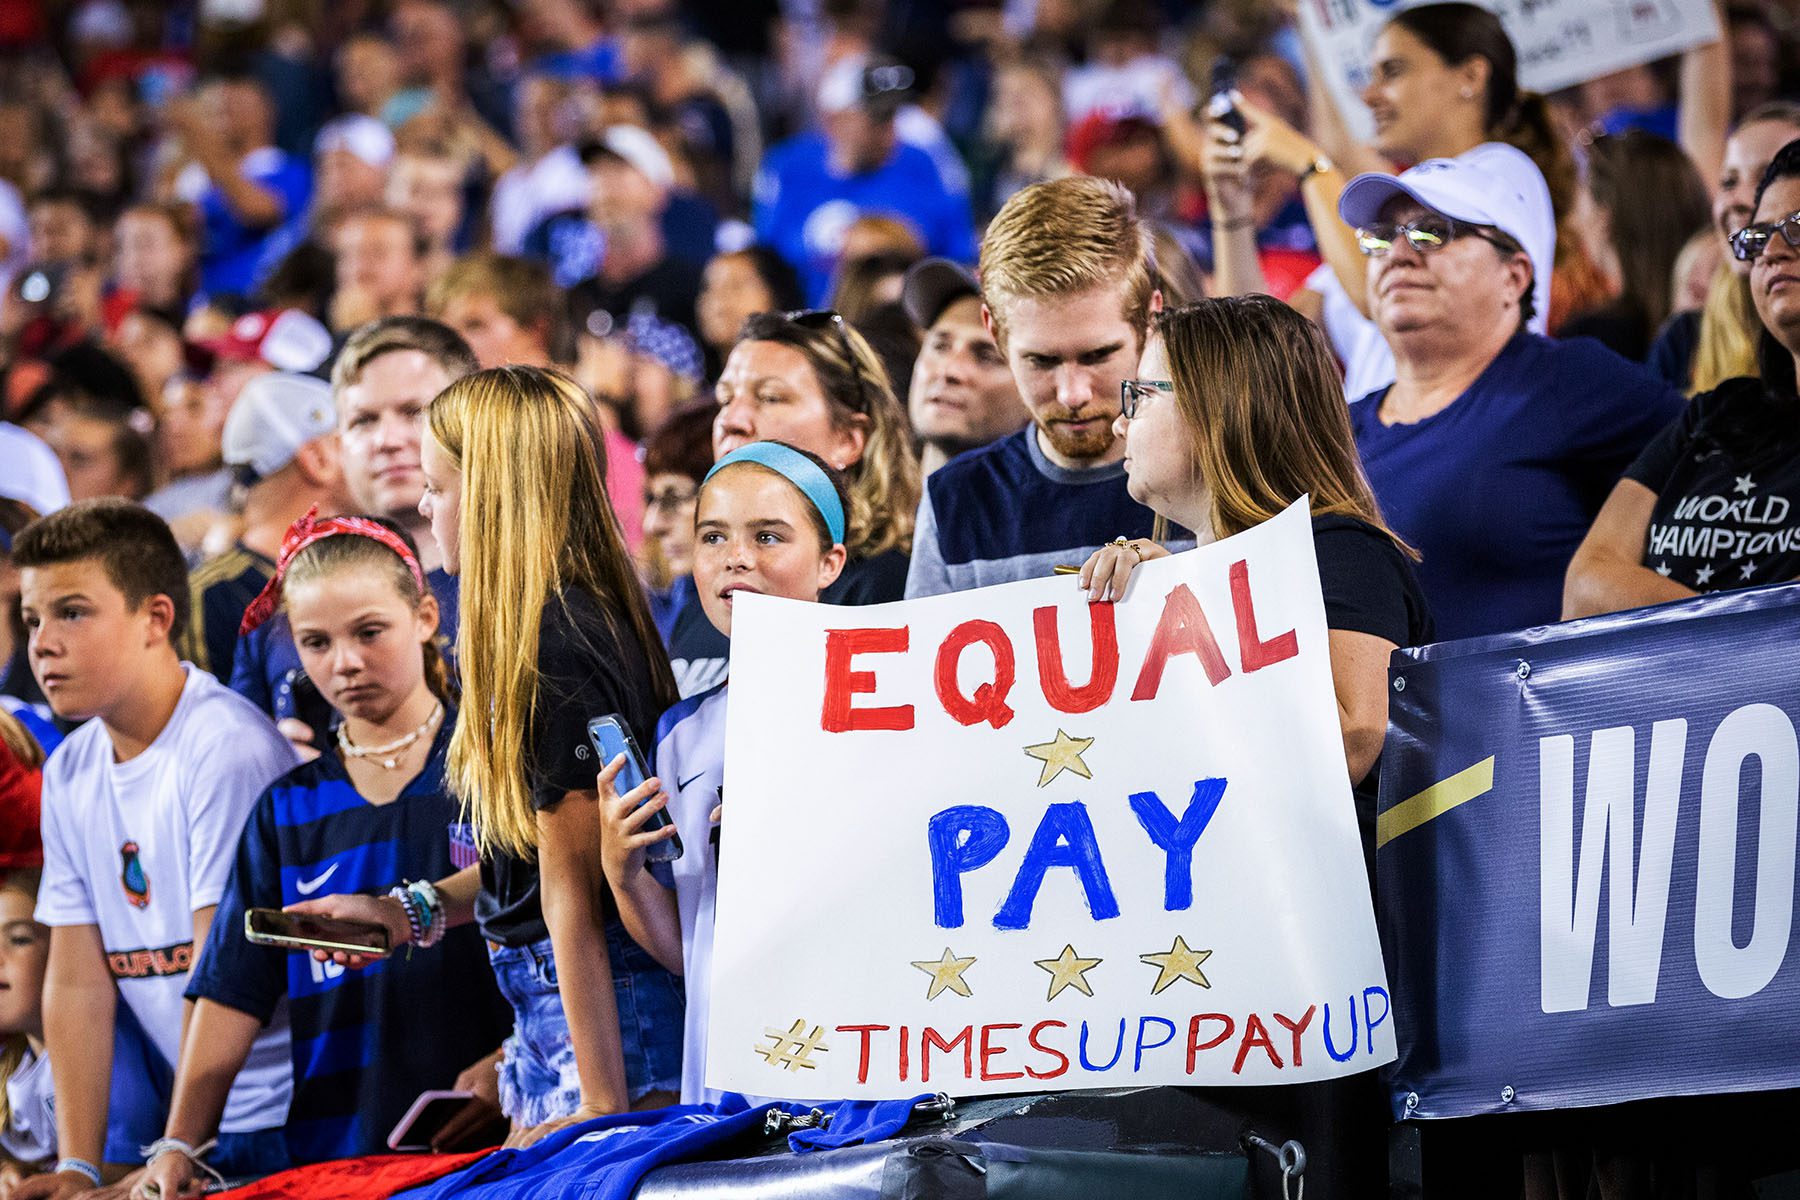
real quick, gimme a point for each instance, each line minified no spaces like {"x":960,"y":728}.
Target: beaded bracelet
{"x":431,"y":906}
{"x":195,"y":1154}
{"x":409,"y":904}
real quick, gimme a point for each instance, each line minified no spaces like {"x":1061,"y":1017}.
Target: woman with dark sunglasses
{"x":809,"y":379}
{"x":1714,"y":501}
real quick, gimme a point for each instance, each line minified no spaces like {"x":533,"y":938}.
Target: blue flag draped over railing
{"x":1586,"y":859}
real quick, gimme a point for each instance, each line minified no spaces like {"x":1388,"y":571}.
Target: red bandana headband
{"x":305,"y":532}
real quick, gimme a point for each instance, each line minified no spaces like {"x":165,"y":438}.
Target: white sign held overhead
{"x":1560,"y":43}
{"x":1004,"y":840}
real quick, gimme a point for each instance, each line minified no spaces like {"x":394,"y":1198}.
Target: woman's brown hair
{"x":885,"y":484}
{"x":1623,"y":171}
{"x":1264,"y":407}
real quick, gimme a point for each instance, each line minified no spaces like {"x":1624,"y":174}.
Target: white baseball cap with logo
{"x":274,"y":416}
{"x":286,"y":339}
{"x":1494,"y":184}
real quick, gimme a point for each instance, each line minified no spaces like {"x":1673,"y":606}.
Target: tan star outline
{"x":1068,"y":970}
{"x":1063,"y":754}
{"x":1179,"y":963}
{"x":946,"y":974}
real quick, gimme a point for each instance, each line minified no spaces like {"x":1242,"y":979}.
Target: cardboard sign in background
{"x":1560,"y":43}
{"x":1142,"y":873}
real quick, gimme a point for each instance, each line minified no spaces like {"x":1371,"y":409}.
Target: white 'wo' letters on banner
{"x":1003,"y":840}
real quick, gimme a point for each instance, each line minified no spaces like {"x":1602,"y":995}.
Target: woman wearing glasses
{"x":810,"y":380}
{"x":1237,"y":412}
{"x":1494,"y":447}
{"x":1711,"y":502}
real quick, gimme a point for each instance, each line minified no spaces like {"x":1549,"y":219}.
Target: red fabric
{"x":20,"y":844}
{"x":373,"y":1178}
{"x":21,"y":22}
{"x":1285,"y":270}
{"x":305,"y":532}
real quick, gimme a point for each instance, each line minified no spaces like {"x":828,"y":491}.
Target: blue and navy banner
{"x":1586,"y":859}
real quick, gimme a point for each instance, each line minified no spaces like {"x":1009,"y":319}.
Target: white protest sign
{"x":1003,"y":840}
{"x":1559,"y":42}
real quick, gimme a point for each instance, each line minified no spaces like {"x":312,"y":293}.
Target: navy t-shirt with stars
{"x":1726,"y":475}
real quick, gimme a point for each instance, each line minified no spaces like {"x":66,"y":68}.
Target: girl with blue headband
{"x":770,"y":520}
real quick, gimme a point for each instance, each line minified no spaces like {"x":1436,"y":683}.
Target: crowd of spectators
{"x":366,"y":364}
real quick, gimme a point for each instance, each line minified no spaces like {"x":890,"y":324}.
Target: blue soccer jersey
{"x":365,"y":1043}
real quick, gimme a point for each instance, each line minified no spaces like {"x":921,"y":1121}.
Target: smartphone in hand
{"x":1221,"y":107}
{"x":426,"y":1119}
{"x":611,"y":739}
{"x":309,"y":931}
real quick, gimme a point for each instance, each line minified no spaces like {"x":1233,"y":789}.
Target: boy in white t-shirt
{"x":142,"y":811}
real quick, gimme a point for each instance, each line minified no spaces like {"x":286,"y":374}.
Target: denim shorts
{"x":538,"y":1080}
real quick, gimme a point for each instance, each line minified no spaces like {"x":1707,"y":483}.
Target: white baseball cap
{"x":273,"y":417}
{"x":1488,"y":189}
{"x":640,"y":149}
{"x":30,"y":471}
{"x":363,"y":136}
{"x":287,"y":339}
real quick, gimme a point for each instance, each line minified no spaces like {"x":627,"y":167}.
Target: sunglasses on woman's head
{"x":829,"y":318}
{"x":1748,"y":243}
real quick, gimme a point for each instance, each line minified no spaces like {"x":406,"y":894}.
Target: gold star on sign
{"x":1067,"y":970}
{"x":1063,"y":754}
{"x":946,"y":974}
{"x":1178,"y":963}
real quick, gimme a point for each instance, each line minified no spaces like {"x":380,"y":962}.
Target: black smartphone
{"x":1220,"y":107}
{"x":309,"y":931}
{"x":297,"y":697}
{"x":611,"y":739}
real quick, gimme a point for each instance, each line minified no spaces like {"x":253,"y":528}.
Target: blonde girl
{"x":554,"y":631}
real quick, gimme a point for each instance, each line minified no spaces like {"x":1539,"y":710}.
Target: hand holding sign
{"x":1044,"y":840}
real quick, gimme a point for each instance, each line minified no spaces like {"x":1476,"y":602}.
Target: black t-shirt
{"x":1672,"y":354}
{"x":700,"y":654}
{"x":1619,"y":325}
{"x":1369,"y":587}
{"x":666,"y":291}
{"x":877,"y":580}
{"x":587,"y":668}
{"x":1726,"y":475}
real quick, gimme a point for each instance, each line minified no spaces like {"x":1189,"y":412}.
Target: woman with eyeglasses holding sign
{"x":1711,"y":503}
{"x":1236,"y":413}
{"x":1494,"y":447}
{"x":810,"y":379}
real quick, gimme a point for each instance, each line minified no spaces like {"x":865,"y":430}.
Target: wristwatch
{"x":1319,"y":165}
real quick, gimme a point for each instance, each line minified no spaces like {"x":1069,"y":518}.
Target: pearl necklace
{"x":394,"y":749}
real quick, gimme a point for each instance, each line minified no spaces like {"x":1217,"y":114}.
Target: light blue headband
{"x":798,"y":470}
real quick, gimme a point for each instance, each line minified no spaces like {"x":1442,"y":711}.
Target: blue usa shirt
{"x":1005,"y":512}
{"x":802,"y":208}
{"x":365,"y":1043}
{"x":236,"y":256}
{"x":1497,"y":490}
